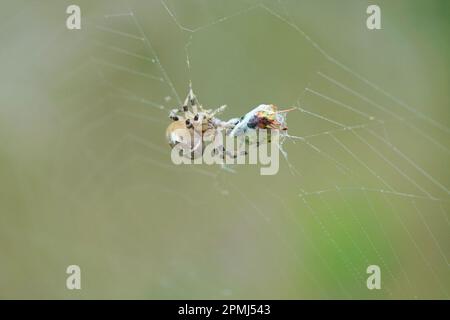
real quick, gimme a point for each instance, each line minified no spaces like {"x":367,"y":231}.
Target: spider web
{"x":365,"y":179}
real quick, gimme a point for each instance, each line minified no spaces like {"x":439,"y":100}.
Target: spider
{"x":193,"y":125}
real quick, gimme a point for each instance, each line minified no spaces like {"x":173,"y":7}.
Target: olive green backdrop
{"x":86,"y":176}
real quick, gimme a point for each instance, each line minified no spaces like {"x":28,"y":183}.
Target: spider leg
{"x":232,"y":154}
{"x":199,"y":117}
{"x":174,"y":115}
{"x":185,"y":106}
{"x":190,"y":108}
{"x":193,"y":100}
{"x":218,"y":110}
{"x":184,"y":109}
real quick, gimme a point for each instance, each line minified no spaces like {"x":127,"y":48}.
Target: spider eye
{"x":196,"y":117}
{"x":185,"y":108}
{"x":188,"y":121}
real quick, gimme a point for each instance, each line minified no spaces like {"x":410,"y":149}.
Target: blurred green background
{"x":86,"y":176}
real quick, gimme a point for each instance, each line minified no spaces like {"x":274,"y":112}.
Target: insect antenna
{"x":287,"y":110}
